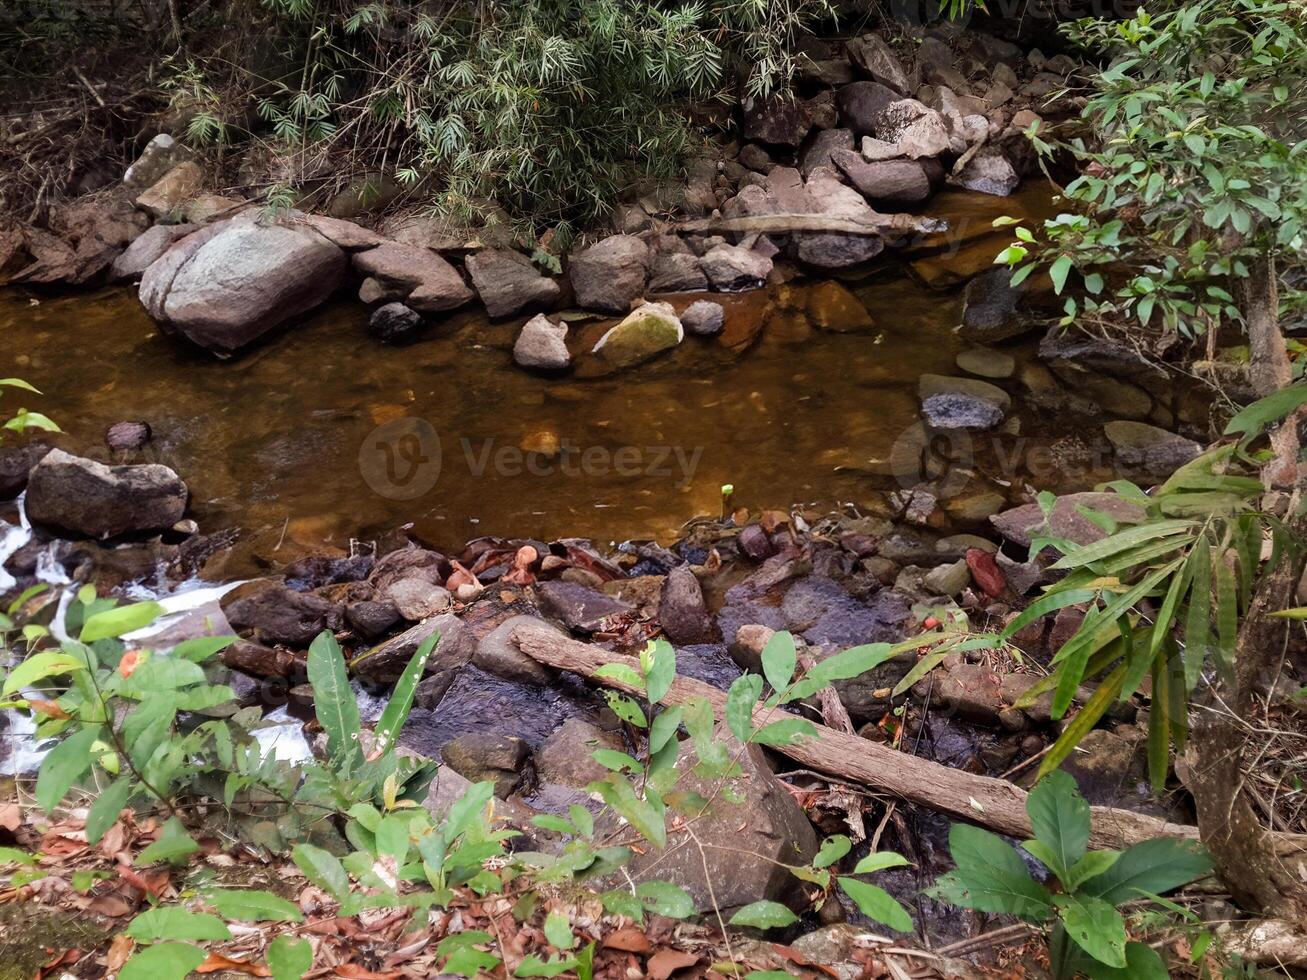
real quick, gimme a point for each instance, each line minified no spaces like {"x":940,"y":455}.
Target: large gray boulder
{"x":888,"y":181}
{"x":913,"y":129}
{"x":87,"y":497}
{"x":146,"y":249}
{"x":610,"y":275}
{"x":508,"y":282}
{"x":874,"y":59}
{"x":733,"y":267}
{"x":416,"y":276}
{"x":1149,"y":449}
{"x":234,"y":281}
{"x":861,"y":105}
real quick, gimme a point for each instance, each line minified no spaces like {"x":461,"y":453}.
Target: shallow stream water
{"x":297,"y":442}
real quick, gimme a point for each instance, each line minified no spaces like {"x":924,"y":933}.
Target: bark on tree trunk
{"x":1268,"y":361}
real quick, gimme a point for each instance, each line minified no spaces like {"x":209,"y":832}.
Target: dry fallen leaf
{"x":119,"y":950}
{"x":11,"y":818}
{"x":628,"y":940}
{"x":216,"y":962}
{"x":665,"y":962}
{"x":355,"y":972}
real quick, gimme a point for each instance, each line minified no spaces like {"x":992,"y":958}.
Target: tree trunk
{"x":1268,"y":362}
{"x":1245,"y":852}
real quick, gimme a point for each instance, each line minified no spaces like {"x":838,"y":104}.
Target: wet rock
{"x":316,"y":571}
{"x":169,"y":195}
{"x":418,"y":276}
{"x":386,"y":661}
{"x":417,"y":599}
{"x":755,"y":542}
{"x":914,"y":129}
{"x":682,"y":610}
{"x":1149,"y":449}
{"x":610,"y":275}
{"x":987,"y":363}
{"x":755,"y":158}
{"x":988,"y":172}
{"x":508,"y":282}
{"x":430,"y":566}
{"x":497,"y":654}
{"x":260,"y":661}
{"x":394,"y":323}
{"x":823,"y":147}
{"x":745,"y":843}
{"x":990,"y":309}
{"x":145,"y":249}
{"x":711,"y":663}
{"x":566,"y":757}
{"x":676,"y":272}
{"x":948,"y":580}
{"x":874,"y":59}
{"x":887,"y":181}
{"x":15,"y":464}
{"x":372,"y":618}
{"x":777,"y":119}
{"x":832,"y":307}
{"x":731,"y":267}
{"x":961,"y":403}
{"x":645,"y":333}
{"x":578,"y":607}
{"x":1019,"y":524}
{"x":234,"y":281}
{"x":278,"y":615}
{"x":861,"y":105}
{"x":100,"y":501}
{"x":160,"y":155}
{"x":704,"y":318}
{"x":485,"y":756}
{"x":542,"y":345}
{"x":824,"y":614}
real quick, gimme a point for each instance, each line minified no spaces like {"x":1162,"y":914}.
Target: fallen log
{"x":882,"y":225}
{"x":983,"y":800}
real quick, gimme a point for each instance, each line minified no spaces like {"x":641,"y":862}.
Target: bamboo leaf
{"x":333,"y":700}
{"x":1085,"y":720}
{"x":400,"y":704}
{"x":1121,"y":541}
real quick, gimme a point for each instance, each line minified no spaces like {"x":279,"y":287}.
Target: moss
{"x":30,"y":934}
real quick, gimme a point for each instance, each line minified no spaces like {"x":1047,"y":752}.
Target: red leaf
{"x":986,"y":572}
{"x":628,"y":940}
{"x":665,"y":962}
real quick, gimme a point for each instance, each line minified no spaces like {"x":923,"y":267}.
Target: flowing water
{"x":297,"y":442}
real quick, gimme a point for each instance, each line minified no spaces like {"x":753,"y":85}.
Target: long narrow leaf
{"x":1227,"y":614}
{"x":1121,"y":541}
{"x":1159,"y":724}
{"x":393,"y":717}
{"x":333,"y":700}
{"x":1197,"y":632}
{"x":1084,"y":721}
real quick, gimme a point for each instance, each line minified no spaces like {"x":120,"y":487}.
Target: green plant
{"x":1088,"y":932}
{"x":22,"y":420}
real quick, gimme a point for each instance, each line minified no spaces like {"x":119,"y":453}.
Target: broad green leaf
{"x":740,"y":700}
{"x":1059,"y":271}
{"x":1060,"y":818}
{"x":1265,"y":411}
{"x":67,"y":762}
{"x":533,"y":966}
{"x":1094,"y":926}
{"x":664,"y":728}
{"x":323,"y":869}
{"x":879,"y":861}
{"x":333,"y":700}
{"x":1120,"y":541}
{"x":1142,"y":962}
{"x":12,"y":855}
{"x":1156,"y":866}
{"x":19,"y":383}
{"x":623,"y":674}
{"x":252,"y":906}
{"x":664,"y":898}
{"x":764,"y":915}
{"x":289,"y":958}
{"x":558,"y":930}
{"x":120,"y":620}
{"x":643,"y":816}
{"x":1093,"y":863}
{"x":38,"y":667}
{"x":990,"y":877}
{"x":201,"y":648}
{"x":174,"y":922}
{"x":174,"y":845}
{"x":1046,"y":604}
{"x":787,"y":731}
{"x":832,"y":849}
{"x":662,"y":672}
{"x":104,"y":811}
{"x":876,"y":903}
{"x":779,"y":658}
{"x":400,"y":704}
{"x":625,"y":708}
{"x":166,"y":961}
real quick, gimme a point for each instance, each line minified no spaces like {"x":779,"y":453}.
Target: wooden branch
{"x":983,"y":800}
{"x":882,"y":225}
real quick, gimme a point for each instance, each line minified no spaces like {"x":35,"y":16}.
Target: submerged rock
{"x":610,"y":275}
{"x":393,"y":323}
{"x":644,"y":333}
{"x":234,"y":281}
{"x":542,"y":345}
{"x":508,"y":282}
{"x":961,"y":403}
{"x":99,"y":501}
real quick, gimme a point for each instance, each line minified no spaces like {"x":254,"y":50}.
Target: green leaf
{"x":289,"y":958}
{"x":201,"y":648}
{"x":1156,"y":866}
{"x":832,"y":849}
{"x":252,"y":906}
{"x":174,"y":922}
{"x":662,"y":672}
{"x":644,"y":817}
{"x":664,"y":728}
{"x":1060,"y":818}
{"x":12,"y":855}
{"x":1093,"y":863}
{"x":664,"y":898}
{"x":1142,"y":962}
{"x":1116,"y":543}
{"x":779,"y":658}
{"x":625,"y":708}
{"x":1265,"y":411}
{"x":558,"y":930}
{"x":174,"y":844}
{"x":333,"y":700}
{"x":67,"y":762}
{"x":400,"y":704}
{"x":323,"y":869}
{"x":740,"y":700}
{"x":18,"y":383}
{"x":920,"y":669}
{"x":1059,"y":271}
{"x":990,"y":877}
{"x":787,"y":731}
{"x":104,"y":811}
{"x":166,"y":961}
{"x":879,"y":861}
{"x":876,"y":903}
{"x":1095,"y":926}
{"x":38,"y":667}
{"x":623,"y":674}
{"x":764,"y":915}
{"x":116,"y":622}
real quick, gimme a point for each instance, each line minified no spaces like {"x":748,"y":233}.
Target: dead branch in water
{"x":881,"y":225}
{"x":983,"y":800}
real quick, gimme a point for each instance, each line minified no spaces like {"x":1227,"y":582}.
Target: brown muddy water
{"x":298,"y":443}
